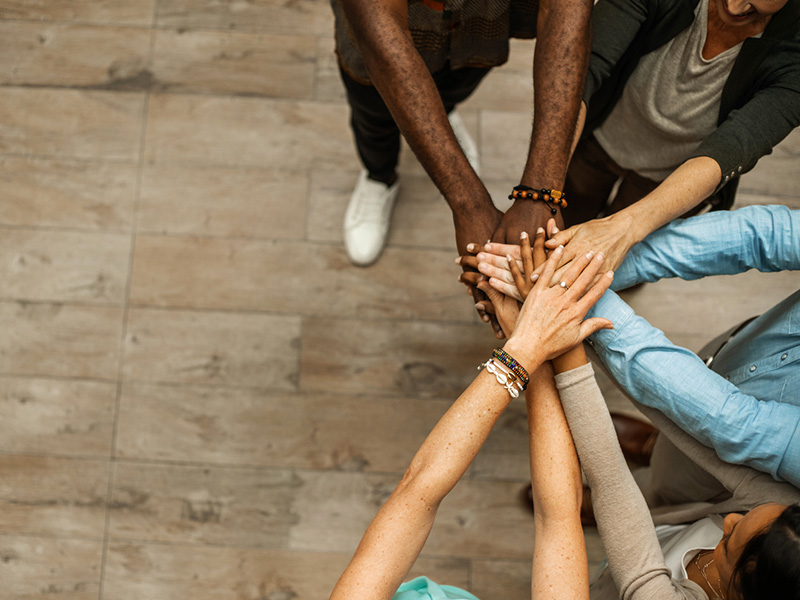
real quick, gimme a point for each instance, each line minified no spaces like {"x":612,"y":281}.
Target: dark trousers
{"x":591,"y":178}
{"x":377,"y":136}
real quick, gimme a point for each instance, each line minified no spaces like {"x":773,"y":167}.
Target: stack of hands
{"x":495,"y":273}
{"x":507,"y":274}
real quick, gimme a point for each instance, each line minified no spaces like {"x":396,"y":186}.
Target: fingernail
{"x":485,"y":318}
{"x":589,"y":254}
{"x":555,"y":229}
{"x":471,"y":247}
{"x":600,"y":256}
{"x":479,"y":306}
{"x":481,"y":267}
{"x":509,"y":258}
{"x":610,"y":274}
{"x":559,"y":249}
{"x":523,"y":236}
{"x":459,"y":279}
{"x":458,"y":260}
{"x":534,"y":277}
{"x":481,"y":256}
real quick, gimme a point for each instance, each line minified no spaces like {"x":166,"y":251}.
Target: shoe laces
{"x":371,"y":208}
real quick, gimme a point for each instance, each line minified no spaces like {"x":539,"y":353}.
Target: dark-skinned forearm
{"x":402,"y":78}
{"x":560,"y":61}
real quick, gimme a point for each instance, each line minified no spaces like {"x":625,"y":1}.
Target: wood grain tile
{"x":282,"y":430}
{"x":207,"y":505}
{"x":58,"y":569}
{"x":57,"y":54}
{"x":87,"y":124}
{"x":243,"y":350}
{"x":776,"y":173}
{"x":231,"y":63}
{"x":505,"y":138}
{"x":714,"y":304}
{"x":59,"y":340}
{"x":220,"y":201}
{"x":53,"y":496}
{"x":58,"y":417}
{"x":304,"y":17}
{"x":421,"y":217}
{"x":328,"y":86}
{"x":402,"y":357}
{"x":477,"y":519}
{"x":745,"y":198}
{"x":64,"y":266}
{"x":242,"y":275}
{"x":66,"y":193}
{"x":276,"y":134}
{"x":501,"y":579}
{"x":136,"y":571}
{"x":122,"y":12}
{"x":510,"y":86}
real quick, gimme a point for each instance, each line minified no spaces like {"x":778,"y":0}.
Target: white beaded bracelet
{"x":504,"y":377}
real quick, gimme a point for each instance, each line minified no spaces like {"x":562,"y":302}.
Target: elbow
{"x":417,"y":486}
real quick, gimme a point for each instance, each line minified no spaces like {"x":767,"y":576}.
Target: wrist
{"x":529,"y":356}
{"x":634,"y":226}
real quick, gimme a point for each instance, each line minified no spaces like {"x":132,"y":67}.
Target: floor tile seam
{"x":69,"y":303}
{"x":27,"y":227}
{"x":381,"y":395}
{"x":249,"y":467}
{"x":295,"y":550}
{"x":296,"y":315}
{"x":78,"y":22}
{"x":124,"y":329}
{"x":155,"y":26}
{"x":167,"y":88}
{"x":154,"y":233}
{"x":51,"y":536}
{"x":64,"y":378}
{"x":84,"y":458}
{"x":33,"y":157}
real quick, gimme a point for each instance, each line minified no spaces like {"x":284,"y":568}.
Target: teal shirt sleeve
{"x":423,"y":588}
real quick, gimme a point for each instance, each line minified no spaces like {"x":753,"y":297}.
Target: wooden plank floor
{"x":199,"y":396}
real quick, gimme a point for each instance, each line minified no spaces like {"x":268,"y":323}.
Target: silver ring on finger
{"x":563,"y":285}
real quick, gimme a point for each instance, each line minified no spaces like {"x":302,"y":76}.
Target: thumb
{"x":491,"y":293}
{"x":561,"y":238}
{"x":590,"y":326}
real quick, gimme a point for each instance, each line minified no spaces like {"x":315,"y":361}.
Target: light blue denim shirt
{"x":748,"y":408}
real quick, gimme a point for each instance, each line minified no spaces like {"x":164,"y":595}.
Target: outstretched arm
{"x":742,"y":429}
{"x":551,"y":321}
{"x":396,"y":535}
{"x":766,"y":238}
{"x":560,"y":567}
{"x":563,"y":44}
{"x":400,"y":75}
{"x":615,"y":235}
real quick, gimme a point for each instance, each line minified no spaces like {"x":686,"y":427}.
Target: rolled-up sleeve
{"x":766,"y":238}
{"x":740,"y":428}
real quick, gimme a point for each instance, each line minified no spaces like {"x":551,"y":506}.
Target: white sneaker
{"x":367,"y":220}
{"x":465,"y":140}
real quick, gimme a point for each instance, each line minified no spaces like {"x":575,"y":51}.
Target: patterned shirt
{"x":468,"y":33}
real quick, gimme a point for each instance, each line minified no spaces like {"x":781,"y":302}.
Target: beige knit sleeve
{"x":623,"y":519}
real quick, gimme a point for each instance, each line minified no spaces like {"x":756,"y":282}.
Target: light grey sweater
{"x":623,"y":518}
